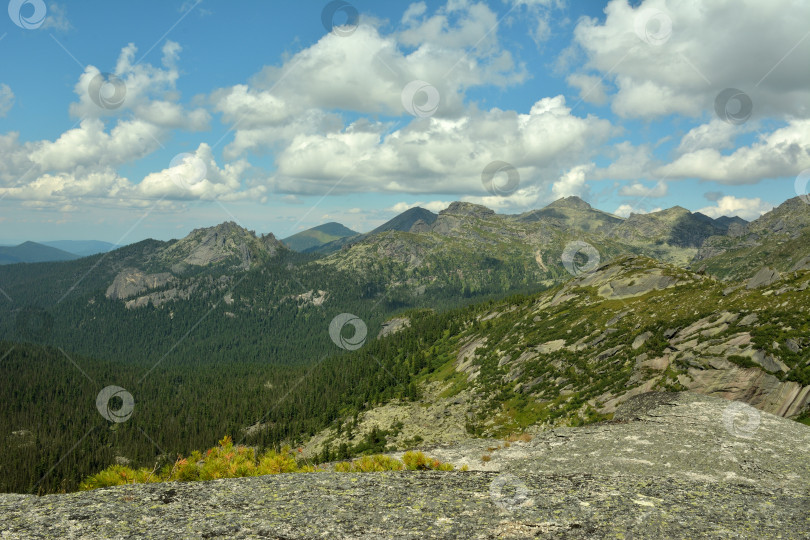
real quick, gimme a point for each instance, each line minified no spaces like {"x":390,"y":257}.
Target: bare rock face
{"x":801,"y":264}
{"x":393,"y":326}
{"x":419,"y":226}
{"x":131,"y":282}
{"x":226,"y":241}
{"x":763,"y":278}
{"x":671,"y":466}
{"x":753,"y":386}
{"x":467,"y":209}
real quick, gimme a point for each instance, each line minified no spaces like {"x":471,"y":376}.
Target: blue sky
{"x":121,"y":121}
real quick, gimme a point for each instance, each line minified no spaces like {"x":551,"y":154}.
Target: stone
{"x":763,"y":278}
{"x":392,"y":326}
{"x":670,"y":465}
{"x":641,"y":339}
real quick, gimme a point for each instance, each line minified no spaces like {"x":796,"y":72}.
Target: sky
{"x":121,"y":121}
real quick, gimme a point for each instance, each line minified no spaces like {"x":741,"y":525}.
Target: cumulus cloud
{"x":148,"y":92}
{"x":710,"y":48}
{"x":572,"y":182}
{"x":783,"y":153}
{"x":433,"y":206}
{"x":625,"y":210}
{"x":90,"y":145}
{"x":199,"y":177}
{"x":452,"y":49}
{"x":638,"y":189}
{"x":748,"y":209}
{"x":591,"y":88}
{"x":82,"y":162}
{"x":433,"y":155}
{"x":715,"y":134}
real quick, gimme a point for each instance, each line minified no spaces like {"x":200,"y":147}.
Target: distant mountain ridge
{"x":83,"y":248}
{"x":32,"y":252}
{"x":404,"y":222}
{"x":317,"y":236}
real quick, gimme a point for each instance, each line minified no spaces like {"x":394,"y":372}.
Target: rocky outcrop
{"x":392,"y":326}
{"x":131,"y":282}
{"x":670,"y":466}
{"x":752,"y":386}
{"x":467,"y":209}
{"x":766,"y":276}
{"x":212,"y":245}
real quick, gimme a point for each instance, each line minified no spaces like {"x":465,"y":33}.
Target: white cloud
{"x":627,"y":162}
{"x":520,"y":200}
{"x":148,"y":92}
{"x":6,"y":100}
{"x":783,"y":153}
{"x":82,"y":163}
{"x":57,"y":18}
{"x":572,"y":182}
{"x":625,"y":210}
{"x":103,"y":183}
{"x":90,"y":145}
{"x":711,"y":47}
{"x":729,"y":205}
{"x":715,"y":134}
{"x":433,"y":206}
{"x":457,"y":25}
{"x":539,"y":15}
{"x":638,"y":189}
{"x":212,"y":182}
{"x":367,"y":74}
{"x":433,"y":155}
{"x":591,"y":88}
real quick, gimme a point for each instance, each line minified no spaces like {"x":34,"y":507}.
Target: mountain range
{"x":62,"y":250}
{"x":468,"y":323}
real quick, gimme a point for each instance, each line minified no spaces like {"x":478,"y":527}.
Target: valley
{"x":476,"y":324}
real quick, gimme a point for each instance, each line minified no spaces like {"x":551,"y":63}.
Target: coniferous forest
{"x":198,"y":370}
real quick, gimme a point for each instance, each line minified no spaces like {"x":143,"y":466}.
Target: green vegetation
{"x":235,"y":461}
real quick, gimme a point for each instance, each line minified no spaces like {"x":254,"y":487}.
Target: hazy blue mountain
{"x":31,"y":252}
{"x":83,"y":248}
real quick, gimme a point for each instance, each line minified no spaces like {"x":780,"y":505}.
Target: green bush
{"x":229,"y":461}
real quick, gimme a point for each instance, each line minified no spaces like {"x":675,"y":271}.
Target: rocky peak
{"x":668,"y":214}
{"x":467,"y":209}
{"x":215,"y":244}
{"x":570,"y":202}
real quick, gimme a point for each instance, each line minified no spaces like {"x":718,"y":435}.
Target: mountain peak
{"x":405,"y":220}
{"x":467,"y":209}
{"x":209,"y":245}
{"x":226,"y":227}
{"x":570,"y":202}
{"x":316,"y":237}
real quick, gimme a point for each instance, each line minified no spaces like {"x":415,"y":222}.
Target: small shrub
{"x":523,"y":437}
{"x":227,"y":461}
{"x":486,"y":457}
{"x":742,"y":361}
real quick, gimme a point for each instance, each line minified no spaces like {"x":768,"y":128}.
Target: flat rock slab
{"x":414,"y":505}
{"x":671,"y":466}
